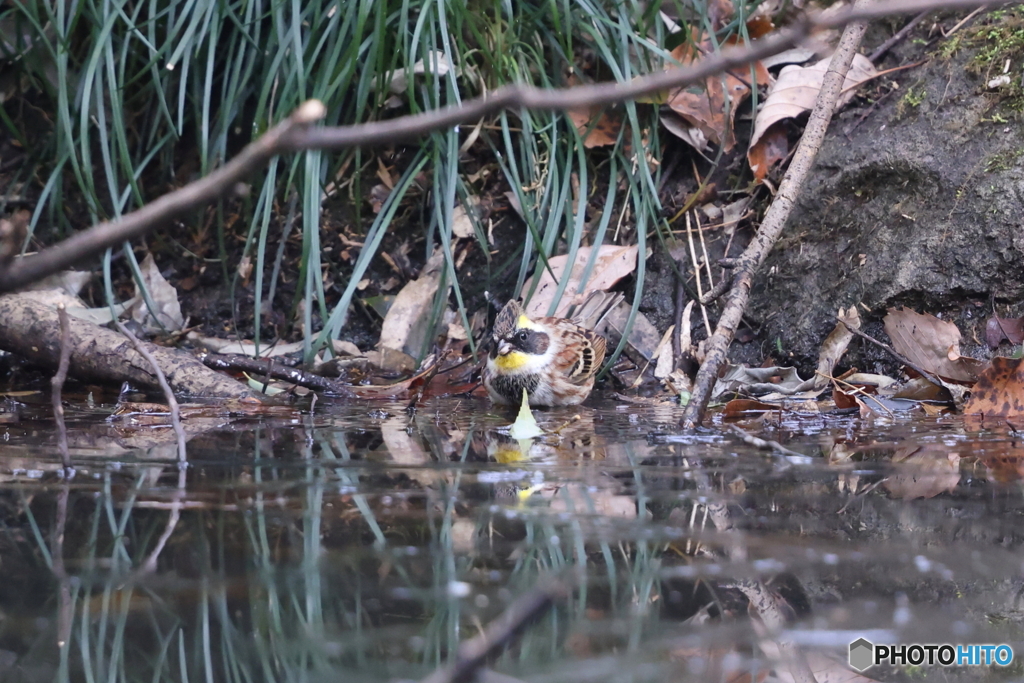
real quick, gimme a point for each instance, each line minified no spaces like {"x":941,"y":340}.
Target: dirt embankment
{"x":917,"y":201}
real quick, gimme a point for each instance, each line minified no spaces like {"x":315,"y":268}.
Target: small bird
{"x":554,"y":359}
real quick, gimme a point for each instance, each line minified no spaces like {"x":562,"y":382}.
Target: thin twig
{"x":765,"y":444}
{"x":57,"y":385}
{"x":473,"y":653}
{"x":172,"y":403}
{"x":296,"y":134}
{"x":774,"y":220}
{"x":270,"y":370}
{"x":898,"y":37}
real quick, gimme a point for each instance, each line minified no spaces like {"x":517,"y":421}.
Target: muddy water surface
{"x":365,"y":542}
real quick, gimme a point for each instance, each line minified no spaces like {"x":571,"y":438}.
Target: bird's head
{"x":517,"y":337}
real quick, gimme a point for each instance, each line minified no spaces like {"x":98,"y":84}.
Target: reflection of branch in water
{"x":65,"y":611}
{"x":770,"y":611}
{"x":149,"y":564}
{"x":766,"y":445}
{"x":472,"y":654}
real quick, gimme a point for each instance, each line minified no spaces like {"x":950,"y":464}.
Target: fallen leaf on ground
{"x":163,"y":295}
{"x":68,"y":281}
{"x":666,"y":359}
{"x":643,"y":338}
{"x":999,"y":329}
{"x":462,"y":224}
{"x":999,"y":391}
{"x":931,"y":343}
{"x":405,"y":326}
{"x":772,"y":148}
{"x":597,"y":125}
{"x":745,"y":407}
{"x":710,"y":107}
{"x":613,"y":263}
{"x":834,"y":346}
{"x":436,"y":63}
{"x":793,"y":93}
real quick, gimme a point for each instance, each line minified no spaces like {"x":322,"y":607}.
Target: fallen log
{"x":32,"y":330}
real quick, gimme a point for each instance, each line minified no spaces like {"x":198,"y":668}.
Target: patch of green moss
{"x":1002,"y":161}
{"x":995,"y":42}
{"x":912,"y":99}
{"x":1000,"y":38}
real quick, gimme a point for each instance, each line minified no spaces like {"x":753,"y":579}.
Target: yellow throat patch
{"x":511,"y":361}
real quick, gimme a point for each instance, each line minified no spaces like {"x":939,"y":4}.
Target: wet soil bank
{"x":915,"y":201}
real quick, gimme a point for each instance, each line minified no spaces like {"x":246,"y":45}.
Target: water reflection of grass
{"x":328,"y":556}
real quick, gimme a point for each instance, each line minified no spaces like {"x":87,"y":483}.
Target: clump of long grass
{"x":144,"y":96}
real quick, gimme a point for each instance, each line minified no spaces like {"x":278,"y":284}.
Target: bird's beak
{"x":504,"y":348}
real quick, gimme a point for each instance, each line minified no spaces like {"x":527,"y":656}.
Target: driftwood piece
{"x":32,"y":330}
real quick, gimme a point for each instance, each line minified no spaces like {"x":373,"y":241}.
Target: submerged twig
{"x":472,"y":654}
{"x":765,"y":444}
{"x":774,"y":220}
{"x":57,"y":385}
{"x":172,"y":403}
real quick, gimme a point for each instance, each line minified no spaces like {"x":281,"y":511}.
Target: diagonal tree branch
{"x":774,"y":220}
{"x":297,"y":133}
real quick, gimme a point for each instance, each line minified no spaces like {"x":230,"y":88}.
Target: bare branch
{"x":774,"y":220}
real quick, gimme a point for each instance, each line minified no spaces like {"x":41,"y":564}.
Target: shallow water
{"x":366,"y":541}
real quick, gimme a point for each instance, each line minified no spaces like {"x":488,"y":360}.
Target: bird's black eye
{"x":524,"y":335}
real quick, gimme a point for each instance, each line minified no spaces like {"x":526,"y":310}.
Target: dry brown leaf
{"x":772,"y":148}
{"x":596,"y":125}
{"x":746,"y":407}
{"x":711,"y":107}
{"x":927,"y":341}
{"x":163,"y":295}
{"x":613,"y":263}
{"x":999,"y":391}
{"x":405,"y":325}
{"x":643,"y":338}
{"x":797,"y":89}
{"x":998,"y":329}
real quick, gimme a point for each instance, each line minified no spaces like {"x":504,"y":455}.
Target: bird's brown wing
{"x":580,"y":352}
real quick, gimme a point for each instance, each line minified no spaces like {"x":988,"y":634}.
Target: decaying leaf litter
{"x":415,"y":342}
